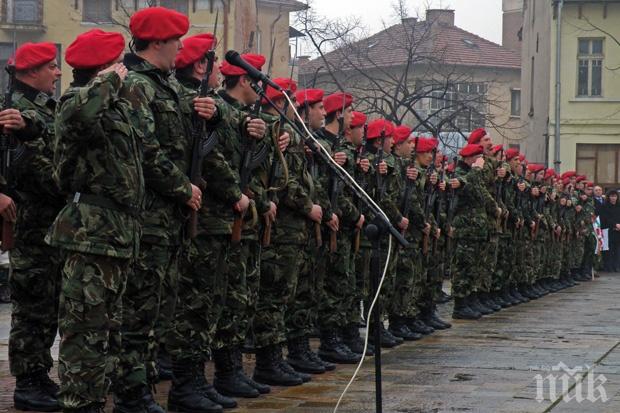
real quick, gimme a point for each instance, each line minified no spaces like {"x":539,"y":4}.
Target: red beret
{"x":496,"y":149}
{"x":522,"y":158}
{"x":568,"y":174}
{"x":550,"y":173}
{"x":311,"y":96}
{"x":377,"y":126}
{"x":535,"y":167}
{"x":426,"y":145}
{"x":109,"y":46}
{"x":158,"y":23}
{"x":450,"y":168}
{"x":287,"y":84}
{"x":255,"y":60}
{"x":194,"y":49}
{"x":565,"y":181}
{"x":580,"y":178}
{"x":31,"y":55}
{"x":359,"y":119}
{"x":337,"y":101}
{"x":589,"y":184}
{"x":401,"y":134}
{"x":476,"y":135}
{"x":511,"y":153}
{"x":471,"y":149}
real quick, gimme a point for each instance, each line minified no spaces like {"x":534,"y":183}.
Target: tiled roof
{"x":438,"y":43}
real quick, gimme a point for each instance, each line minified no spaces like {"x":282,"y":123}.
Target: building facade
{"x":244,"y":25}
{"x":588,"y":85}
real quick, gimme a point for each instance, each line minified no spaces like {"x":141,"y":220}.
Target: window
{"x":23,"y":11}
{"x":178,"y":5}
{"x":601,"y":162}
{"x":515,"y":102}
{"x":97,"y":11}
{"x":590,"y":67}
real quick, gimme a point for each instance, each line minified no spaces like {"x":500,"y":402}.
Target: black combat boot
{"x":36,"y":392}
{"x":298,"y":358}
{"x":209,"y":390}
{"x":284,"y":366}
{"x":462,"y":311}
{"x":444,"y":298}
{"x":431,"y":318}
{"x":315,"y":357}
{"x":91,"y":408}
{"x":509,"y":299}
{"x":527,"y":291}
{"x":131,"y":401}
{"x":164,"y":365}
{"x":398,"y":327}
{"x":474,"y":302}
{"x":149,"y":403}
{"x":514,"y":291}
{"x":351,"y":338}
{"x":238,"y":360}
{"x":488,"y":301}
{"x":229,"y":380}
{"x":390,"y":336}
{"x":269,"y":371}
{"x":187,"y":393}
{"x":415,"y":325}
{"x":498,"y":297}
{"x":334,"y":350}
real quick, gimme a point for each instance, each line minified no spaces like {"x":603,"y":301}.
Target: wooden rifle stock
{"x":8,"y":241}
{"x":357,"y":241}
{"x":318,"y":235}
{"x":267,"y":233}
{"x":425,"y":244}
{"x":333,"y":241}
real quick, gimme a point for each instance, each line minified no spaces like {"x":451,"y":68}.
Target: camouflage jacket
{"x":470,"y":218}
{"x":165,"y":125}
{"x":97,"y":153}
{"x":38,"y":197}
{"x":416,"y":217}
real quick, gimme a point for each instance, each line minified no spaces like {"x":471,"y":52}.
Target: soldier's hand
{"x":271,"y":214}
{"x":360,"y":222}
{"x":455,"y":183}
{"x":558,"y":230}
{"x":8,"y":211}
{"x":256,"y":128}
{"x":403,"y":224}
{"x":316,"y":213}
{"x":506,"y":214}
{"x":242,"y":204}
{"x":442,"y":185}
{"x":479,"y":163}
{"x":11,"y":119}
{"x":498,"y":212}
{"x":364,"y":165}
{"x":412,"y":173}
{"x":119,"y":68}
{"x":521,"y":186}
{"x":333,"y":223}
{"x":532,"y":225}
{"x":196,"y":199}
{"x":578,"y":208}
{"x":451,"y":232}
{"x":501,"y":172}
{"x":340,"y":158}
{"x":382,"y":168}
{"x":427,"y":229}
{"x":205,"y":107}
{"x":283,"y":141}
{"x":438,"y":233}
{"x":433,"y":178}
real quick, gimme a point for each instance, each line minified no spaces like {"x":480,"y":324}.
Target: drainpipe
{"x":558,"y":84}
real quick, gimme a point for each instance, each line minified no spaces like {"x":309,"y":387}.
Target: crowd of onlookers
{"x":608,"y":211}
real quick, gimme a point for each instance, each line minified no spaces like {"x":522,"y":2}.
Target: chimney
{"x":410,"y":21}
{"x":443,"y":17}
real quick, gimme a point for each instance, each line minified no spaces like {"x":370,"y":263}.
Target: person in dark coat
{"x":610,"y":220}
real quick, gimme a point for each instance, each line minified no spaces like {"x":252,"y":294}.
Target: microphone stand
{"x":376,"y":230}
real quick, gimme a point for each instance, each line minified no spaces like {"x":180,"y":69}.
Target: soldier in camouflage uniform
{"x":470,"y":230}
{"x":34,"y":280}
{"x":98,"y":164}
{"x":587,"y":263}
{"x":165,"y":124}
{"x":202,"y":282}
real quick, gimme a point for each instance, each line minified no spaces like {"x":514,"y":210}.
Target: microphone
{"x":234,"y":58}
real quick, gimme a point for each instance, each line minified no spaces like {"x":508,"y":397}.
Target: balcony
{"x":22,"y":15}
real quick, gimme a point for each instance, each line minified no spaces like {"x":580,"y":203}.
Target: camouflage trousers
{"x":337,"y":285}
{"x":488,"y":256}
{"x":518,"y":273}
{"x":201,"y":300}
{"x":302,"y":311}
{"x":578,"y":249}
{"x":361,"y":285}
{"x":468,"y":267}
{"x":434,"y":277}
{"x":241,"y":294}
{"x":90,"y":322}
{"x":408,"y":268}
{"x":34,"y":281}
{"x":589,"y":253}
{"x":280,"y":265}
{"x":529,"y":249}
{"x":141,"y":309}
{"x":505,"y":263}
{"x":553,"y":259}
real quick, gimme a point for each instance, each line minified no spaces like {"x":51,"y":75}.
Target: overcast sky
{"x":482,"y":17}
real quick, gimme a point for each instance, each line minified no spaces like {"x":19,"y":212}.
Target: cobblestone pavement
{"x":491,"y":365}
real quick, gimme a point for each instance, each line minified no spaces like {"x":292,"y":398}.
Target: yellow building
{"x":589,"y":85}
{"x":60,"y":21}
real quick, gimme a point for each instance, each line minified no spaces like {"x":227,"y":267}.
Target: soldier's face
{"x":404,"y":149}
{"x":486,"y":143}
{"x":357,"y":134}
{"x":425,"y":158}
{"x":563,"y":201}
{"x":316,"y":115}
{"x":347,"y":117}
{"x":588,"y":191}
{"x":387,"y":144}
{"x":168,"y":52}
{"x":45,"y":77}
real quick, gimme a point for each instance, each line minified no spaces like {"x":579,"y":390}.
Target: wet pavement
{"x":560,"y":353}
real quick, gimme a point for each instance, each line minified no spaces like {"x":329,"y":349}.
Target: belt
{"x":103,"y":202}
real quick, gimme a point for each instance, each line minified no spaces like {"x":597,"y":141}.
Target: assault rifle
{"x":7,"y":242}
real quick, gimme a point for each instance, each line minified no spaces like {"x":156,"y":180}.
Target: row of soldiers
{"x":160,"y":223}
